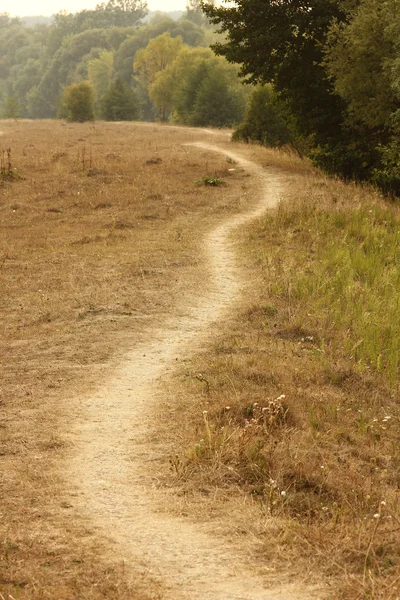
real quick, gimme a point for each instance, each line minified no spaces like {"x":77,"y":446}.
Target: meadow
{"x":297,"y":405}
{"x":283,"y":432}
{"x":100,"y":232}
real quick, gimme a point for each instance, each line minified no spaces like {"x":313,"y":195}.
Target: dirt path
{"x":111,"y":469}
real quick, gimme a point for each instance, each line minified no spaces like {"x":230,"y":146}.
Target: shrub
{"x":78,"y":102}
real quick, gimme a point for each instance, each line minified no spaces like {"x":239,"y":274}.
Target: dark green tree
{"x":283,"y":43}
{"x":216,"y":103}
{"x":268,"y":121}
{"x":120,"y":103}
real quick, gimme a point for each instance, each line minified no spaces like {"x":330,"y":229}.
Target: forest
{"x":332,"y":70}
{"x":319,"y":76}
{"x":108,"y":63}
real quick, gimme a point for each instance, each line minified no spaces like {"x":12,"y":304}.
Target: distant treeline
{"x":35,"y":19}
{"x":123,"y":63}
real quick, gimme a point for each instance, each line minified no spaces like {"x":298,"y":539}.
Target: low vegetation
{"x":292,"y":412}
{"x":297,"y":405}
{"x":99,"y":238}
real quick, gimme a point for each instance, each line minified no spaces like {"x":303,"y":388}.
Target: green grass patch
{"x":343,"y":274}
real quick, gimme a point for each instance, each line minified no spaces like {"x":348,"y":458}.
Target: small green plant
{"x":213,"y":181}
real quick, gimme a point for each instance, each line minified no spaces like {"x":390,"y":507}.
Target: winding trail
{"x":113,"y":460}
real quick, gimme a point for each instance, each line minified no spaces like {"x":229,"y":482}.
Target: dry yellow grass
{"x":99,"y":236}
{"x":98,"y":239}
{"x":282,"y":422}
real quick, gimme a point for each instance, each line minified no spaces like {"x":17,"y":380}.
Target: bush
{"x":268,"y":121}
{"x":78,"y":102}
{"x":120,"y":103}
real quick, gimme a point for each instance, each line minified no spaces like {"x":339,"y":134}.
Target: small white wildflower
{"x":322,"y":466}
{"x":227,"y":408}
{"x":377,"y":516}
{"x":383,"y":503}
{"x":283,"y":493}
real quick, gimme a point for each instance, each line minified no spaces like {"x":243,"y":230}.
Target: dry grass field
{"x":294,"y":413}
{"x":283,"y":433}
{"x":99,"y":236}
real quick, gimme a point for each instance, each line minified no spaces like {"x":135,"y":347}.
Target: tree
{"x":120,"y":103}
{"x":357,"y":57}
{"x":362,"y":61}
{"x":12,"y":108}
{"x":61,"y":68}
{"x":194,"y":12}
{"x":199,"y":88}
{"x":267,"y":120}
{"x":100,"y":73}
{"x":217,"y":103}
{"x":158,"y":54}
{"x":78,"y":100}
{"x":36,"y":105}
{"x":282,"y":43}
{"x":123,"y":13}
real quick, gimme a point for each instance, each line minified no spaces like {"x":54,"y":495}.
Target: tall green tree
{"x":158,"y":54}
{"x":358,"y":58}
{"x":100,"y":73}
{"x":361,"y":59}
{"x":120,"y":103}
{"x":217,"y":103}
{"x":283,"y":43}
{"x":268,"y":121}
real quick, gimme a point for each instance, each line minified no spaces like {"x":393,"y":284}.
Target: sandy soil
{"x":112,"y":458}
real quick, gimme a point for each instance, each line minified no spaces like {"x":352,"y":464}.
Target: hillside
{"x":199,"y":386}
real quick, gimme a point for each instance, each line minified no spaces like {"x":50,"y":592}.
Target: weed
{"x":211,"y":181}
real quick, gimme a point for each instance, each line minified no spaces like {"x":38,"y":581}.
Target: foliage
{"x":198,"y":88}
{"x":267,"y":120}
{"x":78,"y":100}
{"x":216,"y":102}
{"x":11,"y":109}
{"x":120,"y":103}
{"x":100,"y":73}
{"x":195,"y":13}
{"x":109,"y":45}
{"x":158,"y":54}
{"x":335,"y":65}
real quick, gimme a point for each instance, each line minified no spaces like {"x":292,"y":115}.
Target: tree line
{"x":327,"y":76}
{"x":106,"y":63}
